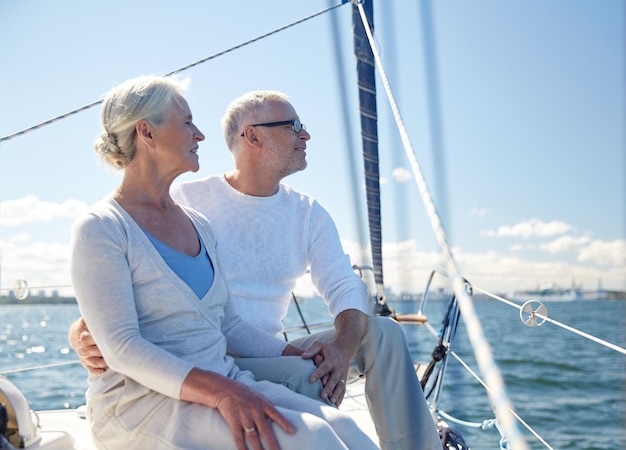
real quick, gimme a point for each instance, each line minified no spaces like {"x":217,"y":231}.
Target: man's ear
{"x":251,"y":136}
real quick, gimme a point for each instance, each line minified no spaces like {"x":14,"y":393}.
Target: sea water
{"x":568,"y":389}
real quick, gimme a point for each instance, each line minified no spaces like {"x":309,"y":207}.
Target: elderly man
{"x":268,"y":236}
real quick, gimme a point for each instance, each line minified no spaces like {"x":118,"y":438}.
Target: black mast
{"x":366,"y":79}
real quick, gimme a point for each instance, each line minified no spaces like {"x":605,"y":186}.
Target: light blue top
{"x":197,"y":271}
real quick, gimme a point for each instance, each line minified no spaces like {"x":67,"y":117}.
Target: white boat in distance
{"x":550,"y":293}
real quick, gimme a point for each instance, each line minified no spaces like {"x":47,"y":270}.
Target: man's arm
{"x":90,"y":357}
{"x":350,"y":327}
{"x":83,"y":344}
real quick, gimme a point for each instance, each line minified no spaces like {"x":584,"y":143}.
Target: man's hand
{"x":88,"y":352}
{"x":333,"y":358}
{"x":332,"y":370}
{"x":292,"y":350}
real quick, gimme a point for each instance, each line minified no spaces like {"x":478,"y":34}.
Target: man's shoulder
{"x":297,"y":195}
{"x":197,"y":184}
{"x":204,"y":194}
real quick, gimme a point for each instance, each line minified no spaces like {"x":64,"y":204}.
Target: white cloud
{"x":605,"y":252}
{"x":530,"y":228}
{"x":41,"y":264}
{"x":31,"y":209}
{"x":304,"y":287}
{"x":20,"y":238}
{"x":406,"y":268}
{"x":401,"y":175}
{"x":565,"y":244}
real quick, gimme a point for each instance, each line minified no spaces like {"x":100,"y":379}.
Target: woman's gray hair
{"x":142,"y":98}
{"x":253,"y":103}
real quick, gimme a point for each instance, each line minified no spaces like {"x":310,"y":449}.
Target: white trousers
{"x":131,"y":416}
{"x":395,"y":399}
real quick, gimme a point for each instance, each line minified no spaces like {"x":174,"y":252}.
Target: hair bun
{"x":110,"y":143}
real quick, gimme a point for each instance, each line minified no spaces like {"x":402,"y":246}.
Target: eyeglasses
{"x":296,"y":125}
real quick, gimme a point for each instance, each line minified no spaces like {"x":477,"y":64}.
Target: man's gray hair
{"x":251,"y":104}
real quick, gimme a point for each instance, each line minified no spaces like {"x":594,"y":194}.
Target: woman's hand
{"x":247,"y":413}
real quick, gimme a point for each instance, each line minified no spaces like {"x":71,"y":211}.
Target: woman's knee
{"x":299,"y":380}
{"x":305,"y":387}
{"x":311,"y":432}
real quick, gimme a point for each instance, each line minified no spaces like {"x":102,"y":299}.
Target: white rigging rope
{"x":43,"y":366}
{"x":482,"y":351}
{"x":174,"y":72}
{"x":607,"y":344}
{"x":522,"y":421}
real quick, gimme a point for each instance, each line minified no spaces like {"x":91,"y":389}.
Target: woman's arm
{"x":247,"y":340}
{"x":100,"y":266}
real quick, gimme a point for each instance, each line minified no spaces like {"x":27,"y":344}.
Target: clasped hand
{"x":332,"y":369}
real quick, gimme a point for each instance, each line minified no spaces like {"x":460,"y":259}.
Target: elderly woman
{"x":150,"y":289}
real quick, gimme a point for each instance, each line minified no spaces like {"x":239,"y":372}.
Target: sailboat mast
{"x":366,"y":80}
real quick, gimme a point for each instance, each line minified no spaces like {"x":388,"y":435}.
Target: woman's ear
{"x":144,"y":131}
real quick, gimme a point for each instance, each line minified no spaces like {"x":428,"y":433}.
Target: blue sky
{"x":532,"y":112}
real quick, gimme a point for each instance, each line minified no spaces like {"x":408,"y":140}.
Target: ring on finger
{"x":249,"y":430}
{"x":341,"y":380}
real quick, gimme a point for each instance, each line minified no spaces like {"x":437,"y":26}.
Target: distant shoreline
{"x":38,"y":300}
{"x":58,"y":300}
